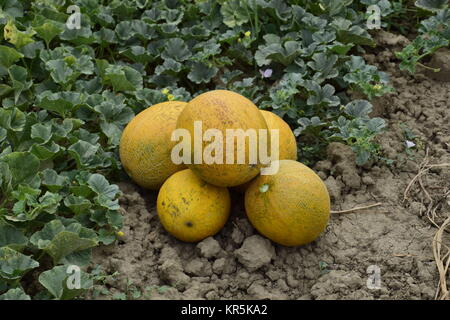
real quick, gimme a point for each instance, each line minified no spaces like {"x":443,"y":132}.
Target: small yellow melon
{"x":191,"y":209}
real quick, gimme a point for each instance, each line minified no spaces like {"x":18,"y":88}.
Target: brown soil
{"x":397,"y":237}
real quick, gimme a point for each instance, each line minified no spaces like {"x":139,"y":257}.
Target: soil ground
{"x":396,"y":237}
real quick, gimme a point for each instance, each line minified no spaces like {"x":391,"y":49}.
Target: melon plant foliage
{"x":66,"y":95}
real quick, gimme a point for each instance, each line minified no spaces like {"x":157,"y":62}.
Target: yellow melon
{"x":291,"y":207}
{"x":287,"y":141}
{"x":222,"y":110}
{"x":191,"y":209}
{"x":145,"y":145}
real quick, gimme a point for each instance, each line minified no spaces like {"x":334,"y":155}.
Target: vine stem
{"x":358,"y":208}
{"x":428,"y":68}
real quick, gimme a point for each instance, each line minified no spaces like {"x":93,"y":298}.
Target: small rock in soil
{"x":172,"y":272}
{"x":198,"y":267}
{"x":259,"y":292}
{"x":334,"y":189}
{"x":255,"y":252}
{"x":209,"y":248}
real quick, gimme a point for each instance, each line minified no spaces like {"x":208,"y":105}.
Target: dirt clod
{"x":209,"y":248}
{"x":255,"y":252}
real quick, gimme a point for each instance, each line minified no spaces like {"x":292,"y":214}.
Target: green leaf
{"x":432,"y":5}
{"x":234,"y":13}
{"x":15,"y":294}
{"x":41,"y":133}
{"x":80,"y":258}
{"x":284,"y":54}
{"x":80,"y":36}
{"x":77,"y":205}
{"x":13,"y":264}
{"x":106,"y":237}
{"x":137,"y":54}
{"x":19,"y":80}
{"x":324,"y":65}
{"x":83,"y":152}
{"x":16,"y":37}
{"x":45,"y":151}
{"x":359,"y":109}
{"x":63,"y":103}
{"x":59,"y":241}
{"x":57,"y":279}
{"x":8,"y":56}
{"x":176,"y":49}
{"x":123,"y":78}
{"x":106,"y":193}
{"x":60,"y":71}
{"x":53,"y":181}
{"x":201,"y":73}
{"x":12,"y":119}
{"x":322,"y":95}
{"x":12,"y":237}
{"x":49,"y":30}
{"x":23,"y":165}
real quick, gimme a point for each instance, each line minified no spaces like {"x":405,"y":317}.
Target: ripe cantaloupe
{"x":287,"y":143}
{"x":191,"y":209}
{"x":145,"y":145}
{"x":221,"y":110}
{"x":291,"y":207}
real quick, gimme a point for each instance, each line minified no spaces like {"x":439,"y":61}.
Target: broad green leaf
{"x":60,"y":71}
{"x":107,"y":237}
{"x":432,"y":5}
{"x":201,"y":73}
{"x":53,"y":181}
{"x":80,"y":258}
{"x":59,"y":241}
{"x":8,"y":56}
{"x":15,"y":294}
{"x":359,"y":108}
{"x":12,"y":119}
{"x":45,"y":151}
{"x":19,"y":77}
{"x":41,"y":133}
{"x":63,"y":103}
{"x":77,"y":205}
{"x":12,"y":237}
{"x":49,"y":30}
{"x":123,"y":78}
{"x":13,"y":264}
{"x":83,"y":152}
{"x":234,"y":13}
{"x":16,"y":37}
{"x":23,"y":165}
{"x":176,"y":49}
{"x":61,"y":282}
{"x":80,"y":36}
{"x":106,"y":193}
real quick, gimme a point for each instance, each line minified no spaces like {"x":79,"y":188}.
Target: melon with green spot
{"x":291,"y":207}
